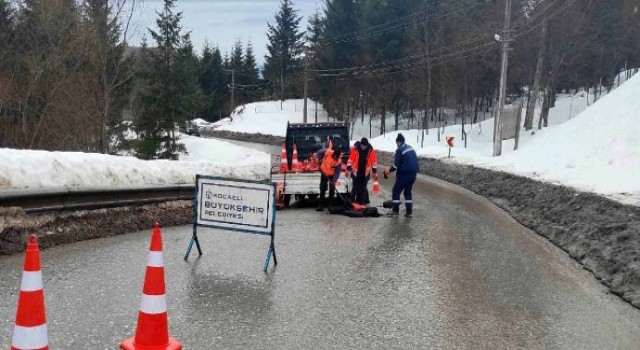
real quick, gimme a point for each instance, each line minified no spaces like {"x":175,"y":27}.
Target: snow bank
{"x":268,"y":118}
{"x":596,"y":151}
{"x":23,"y":169}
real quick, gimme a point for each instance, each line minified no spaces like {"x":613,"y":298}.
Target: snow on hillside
{"x":597,"y":150}
{"x":268,"y":118}
{"x":24,"y":169}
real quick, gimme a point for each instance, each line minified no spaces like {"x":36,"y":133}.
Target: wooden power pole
{"x":497,"y":141}
{"x":306,"y":85}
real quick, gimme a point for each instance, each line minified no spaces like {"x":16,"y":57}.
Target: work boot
{"x":320,"y":206}
{"x":408,"y":215}
{"x":393,"y":214}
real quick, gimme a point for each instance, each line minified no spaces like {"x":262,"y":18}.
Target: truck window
{"x":313,"y":139}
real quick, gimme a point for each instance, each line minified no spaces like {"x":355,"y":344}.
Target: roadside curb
{"x":63,"y":228}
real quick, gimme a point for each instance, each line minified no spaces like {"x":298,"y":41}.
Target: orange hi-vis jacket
{"x":329,"y":164}
{"x":354,"y":158}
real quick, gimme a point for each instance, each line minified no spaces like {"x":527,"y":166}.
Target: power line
{"x":478,"y":38}
{"x":393,"y":27}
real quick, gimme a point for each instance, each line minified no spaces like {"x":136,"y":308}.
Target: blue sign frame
{"x":271,"y":205}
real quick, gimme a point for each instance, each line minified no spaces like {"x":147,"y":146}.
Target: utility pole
{"x":233,"y":89}
{"x":306,"y":85}
{"x":497,"y":141}
{"x":281,"y":80}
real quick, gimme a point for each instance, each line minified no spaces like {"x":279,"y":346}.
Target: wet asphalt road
{"x":461,"y":274}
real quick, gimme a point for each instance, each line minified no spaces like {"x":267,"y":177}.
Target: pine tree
{"x":237,"y":57}
{"x":6,"y":26}
{"x":284,"y":58}
{"x":172,"y":95}
{"x":340,"y":27}
{"x":221,"y":91}
{"x":342,"y":21}
{"x":226,"y":61}
{"x":236,"y":65}
{"x":250,"y":67}
{"x":146,"y":124}
{"x":191,"y":100}
{"x":213,"y":82}
{"x":249,"y":76}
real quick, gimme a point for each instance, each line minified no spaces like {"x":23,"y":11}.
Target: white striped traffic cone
{"x":152,"y":332}
{"x":284,"y":164}
{"x":30,"y":332}
{"x":295,"y":166}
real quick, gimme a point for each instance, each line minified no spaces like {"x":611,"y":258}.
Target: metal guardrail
{"x":66,"y":199}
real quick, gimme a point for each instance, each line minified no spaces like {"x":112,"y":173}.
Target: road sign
{"x":236,"y":205}
{"x":450,"y":141}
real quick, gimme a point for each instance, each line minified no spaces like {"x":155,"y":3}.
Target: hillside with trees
{"x":71,"y":80}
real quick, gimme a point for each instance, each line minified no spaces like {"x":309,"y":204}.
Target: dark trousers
{"x":326,"y":182}
{"x":360,"y":194}
{"x":404,"y":183}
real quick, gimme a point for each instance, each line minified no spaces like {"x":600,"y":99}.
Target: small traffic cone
{"x":376,"y":187}
{"x":295,"y":165}
{"x":284,"y":164}
{"x":30,"y":330}
{"x":152,"y":332}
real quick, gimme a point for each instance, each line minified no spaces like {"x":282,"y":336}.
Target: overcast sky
{"x":221,"y":22}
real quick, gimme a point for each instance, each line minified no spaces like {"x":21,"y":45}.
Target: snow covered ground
{"x":24,"y":169}
{"x":597,"y":150}
{"x":268,"y":118}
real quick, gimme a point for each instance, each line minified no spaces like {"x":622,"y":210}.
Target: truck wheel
{"x":287,"y":200}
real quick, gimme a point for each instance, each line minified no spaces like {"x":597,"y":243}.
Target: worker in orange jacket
{"x":362,"y":162}
{"x":329,"y":168}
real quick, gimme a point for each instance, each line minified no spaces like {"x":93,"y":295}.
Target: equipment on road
{"x":30,"y":331}
{"x":301,"y":144}
{"x":376,"y":185}
{"x":152,"y":331}
{"x":351,"y":209}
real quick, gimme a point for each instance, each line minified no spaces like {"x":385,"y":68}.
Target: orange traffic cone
{"x":152,"y":332}
{"x":30,"y":330}
{"x":284,"y":164}
{"x":295,"y":165}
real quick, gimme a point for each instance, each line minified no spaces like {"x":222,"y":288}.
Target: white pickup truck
{"x":310,"y":138}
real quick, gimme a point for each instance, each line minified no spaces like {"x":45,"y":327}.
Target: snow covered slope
{"x":22,"y":169}
{"x":596,"y":151}
{"x":267,"y":117}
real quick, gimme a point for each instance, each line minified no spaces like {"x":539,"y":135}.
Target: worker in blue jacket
{"x":407,"y":167}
